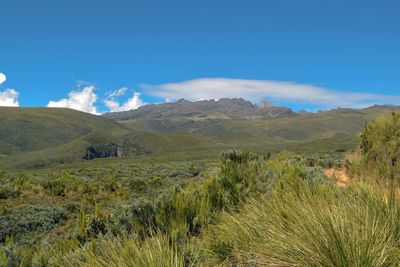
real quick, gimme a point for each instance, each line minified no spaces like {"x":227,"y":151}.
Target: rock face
{"x":265,"y":105}
{"x":236,"y":108}
{"x":304,"y":112}
{"x":103,"y":151}
{"x":126,"y":148}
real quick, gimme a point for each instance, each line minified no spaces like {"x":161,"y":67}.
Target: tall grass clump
{"x":305,"y":225}
{"x":157,"y":251}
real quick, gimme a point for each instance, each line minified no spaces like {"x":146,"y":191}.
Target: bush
{"x":55,"y":187}
{"x":144,"y":221}
{"x":138,"y":185}
{"x":27,"y":220}
{"x":380,"y":143}
{"x":7,"y":191}
{"x":72,"y":207}
{"x":378,"y":154}
{"x":241,"y":175}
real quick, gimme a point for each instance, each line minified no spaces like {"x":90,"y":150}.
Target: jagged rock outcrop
{"x":304,"y":112}
{"x":235,"y":108}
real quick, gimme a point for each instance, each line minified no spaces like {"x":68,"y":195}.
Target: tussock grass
{"x":157,"y":251}
{"x":310,"y":226}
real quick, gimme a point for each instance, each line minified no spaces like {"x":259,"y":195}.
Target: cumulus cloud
{"x":3,"y":78}
{"x":9,"y":98}
{"x":257,"y":90}
{"x":83,"y":100}
{"x":132,"y":103}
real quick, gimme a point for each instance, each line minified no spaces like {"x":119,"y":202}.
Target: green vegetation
{"x":303,"y":224}
{"x":32,"y":129}
{"x":244,"y":209}
{"x":248,"y":210}
{"x":38,"y":138}
{"x":379,"y":150}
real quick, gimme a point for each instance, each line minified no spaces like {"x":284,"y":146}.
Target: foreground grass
{"x":157,"y":251}
{"x":310,"y":225}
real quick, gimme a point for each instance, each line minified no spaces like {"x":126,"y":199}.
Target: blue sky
{"x":97,"y":55}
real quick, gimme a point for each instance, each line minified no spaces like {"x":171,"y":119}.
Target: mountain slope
{"x":31,"y":129}
{"x":41,"y":136}
{"x":340,"y":126}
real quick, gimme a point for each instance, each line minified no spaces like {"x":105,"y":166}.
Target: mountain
{"x":329,"y":130}
{"x":236,"y":108}
{"x":42,"y":137}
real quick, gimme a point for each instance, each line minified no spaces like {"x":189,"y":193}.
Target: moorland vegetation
{"x":246,"y":209}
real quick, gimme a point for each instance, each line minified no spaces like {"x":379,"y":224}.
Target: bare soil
{"x":339,"y":175}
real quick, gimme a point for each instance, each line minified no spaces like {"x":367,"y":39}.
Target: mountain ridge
{"x":228,"y":108}
{"x":233,"y":108}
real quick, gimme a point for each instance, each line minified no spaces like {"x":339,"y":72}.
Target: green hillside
{"x":40,"y":137}
{"x":32,"y":129}
{"x":332,"y":129}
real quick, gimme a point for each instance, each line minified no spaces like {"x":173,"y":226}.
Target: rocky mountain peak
{"x":265,"y":104}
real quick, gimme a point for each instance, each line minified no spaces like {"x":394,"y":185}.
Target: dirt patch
{"x":339,"y":176}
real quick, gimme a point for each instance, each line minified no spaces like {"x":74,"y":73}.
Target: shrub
{"x":7,"y":191}
{"x":380,"y":143}
{"x":144,"y":221}
{"x":55,"y":187}
{"x":26,"y":220}
{"x":138,"y":185}
{"x":242,"y":174}
{"x":378,"y":154}
{"x":72,"y":207}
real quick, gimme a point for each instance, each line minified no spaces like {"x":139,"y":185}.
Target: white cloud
{"x":9,"y":98}
{"x":116,"y":93}
{"x":83,"y":100}
{"x":132,"y":103}
{"x":3,"y":78}
{"x":257,"y":90}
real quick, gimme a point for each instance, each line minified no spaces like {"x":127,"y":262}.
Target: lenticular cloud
{"x":257,"y":90}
